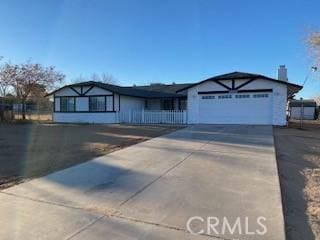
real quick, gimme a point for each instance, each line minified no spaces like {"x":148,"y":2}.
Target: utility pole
{"x":301,"y":113}
{"x":312,"y":69}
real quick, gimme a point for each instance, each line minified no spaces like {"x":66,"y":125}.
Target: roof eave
{"x":293,"y":89}
{"x":165,"y":95}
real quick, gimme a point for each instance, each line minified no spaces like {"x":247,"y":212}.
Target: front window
{"x":166,"y":104}
{"x":97,"y":104}
{"x":67,"y":104}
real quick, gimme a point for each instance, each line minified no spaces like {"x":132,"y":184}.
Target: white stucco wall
{"x":82,"y":114}
{"x":66,"y":92}
{"x":85,"y":88}
{"x":57,"y":104}
{"x":131,"y":103}
{"x":116,"y":102}
{"x":98,"y":91}
{"x":193,"y":104}
{"x":69,"y":92}
{"x":103,"y":117}
{"x":278,"y":100}
{"x":279,"y":104}
{"x":211,"y":86}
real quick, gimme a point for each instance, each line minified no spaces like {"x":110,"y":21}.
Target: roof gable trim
{"x":250,"y":78}
{"x":124,"y":91}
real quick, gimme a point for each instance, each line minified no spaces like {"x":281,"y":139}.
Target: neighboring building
{"x":233,"y":98}
{"x":307,"y":107}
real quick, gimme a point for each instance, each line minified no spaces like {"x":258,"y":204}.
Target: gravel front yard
{"x":298,"y":154}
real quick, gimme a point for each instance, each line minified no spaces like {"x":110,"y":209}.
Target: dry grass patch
{"x":31,"y":150}
{"x":298,"y":154}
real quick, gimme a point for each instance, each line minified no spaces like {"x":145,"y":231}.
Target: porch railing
{"x":152,"y":117}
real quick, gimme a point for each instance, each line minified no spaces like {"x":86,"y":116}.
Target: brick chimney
{"x":282,"y":73}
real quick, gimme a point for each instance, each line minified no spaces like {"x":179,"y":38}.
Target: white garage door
{"x":248,"y":108}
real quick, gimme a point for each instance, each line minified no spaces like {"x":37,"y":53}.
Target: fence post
{"x":173,"y":116}
{"x":142,"y":116}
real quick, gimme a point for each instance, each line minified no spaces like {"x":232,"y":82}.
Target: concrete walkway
{"x":150,"y":190}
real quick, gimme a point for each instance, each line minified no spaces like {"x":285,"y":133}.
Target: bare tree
{"x":79,"y":79}
{"x":313,"y":42}
{"x":108,"y":78}
{"x":94,"y":77}
{"x":7,"y":73}
{"x":26,"y":79}
{"x":104,"y":78}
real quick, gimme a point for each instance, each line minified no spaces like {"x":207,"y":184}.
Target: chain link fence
{"x":10,"y":112}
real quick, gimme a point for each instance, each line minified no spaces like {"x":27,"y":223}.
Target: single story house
{"x":232,"y":98}
{"x":97,"y":102}
{"x":306,"y":108}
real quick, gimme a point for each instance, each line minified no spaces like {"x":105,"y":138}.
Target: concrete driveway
{"x":224,"y":175}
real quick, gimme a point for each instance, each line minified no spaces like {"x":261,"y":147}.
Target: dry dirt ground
{"x":298,"y":154}
{"x":35,"y":149}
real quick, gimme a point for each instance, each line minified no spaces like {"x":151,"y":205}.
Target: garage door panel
{"x":236,"y":111}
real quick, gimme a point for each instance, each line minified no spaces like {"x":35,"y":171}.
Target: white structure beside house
{"x":305,"y":109}
{"x":233,"y":98}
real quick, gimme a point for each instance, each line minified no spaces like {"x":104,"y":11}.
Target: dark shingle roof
{"x":126,"y":91}
{"x":168,"y":88}
{"x":177,"y":90}
{"x":236,"y":75}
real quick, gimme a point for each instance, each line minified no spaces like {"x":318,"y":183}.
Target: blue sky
{"x":143,"y":41}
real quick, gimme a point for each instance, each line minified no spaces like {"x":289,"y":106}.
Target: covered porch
{"x":166,"y":104}
{"x":157,"y":111}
